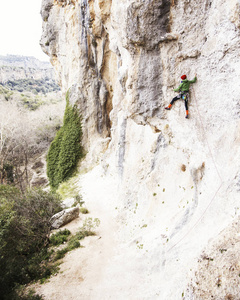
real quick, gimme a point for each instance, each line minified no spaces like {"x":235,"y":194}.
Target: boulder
{"x":64,"y":217}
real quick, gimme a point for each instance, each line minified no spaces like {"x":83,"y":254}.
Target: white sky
{"x":21,"y":28}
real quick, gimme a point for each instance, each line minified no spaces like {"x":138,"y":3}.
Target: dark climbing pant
{"x":183,"y":96}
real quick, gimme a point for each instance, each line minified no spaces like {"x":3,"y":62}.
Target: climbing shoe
{"x":186,"y":117}
{"x":168,"y":107}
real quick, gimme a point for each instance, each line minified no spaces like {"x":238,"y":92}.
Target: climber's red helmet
{"x":183,"y":77}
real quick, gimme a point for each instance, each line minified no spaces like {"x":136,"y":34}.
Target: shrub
{"x":60,"y":237}
{"x":65,"y":150}
{"x":73,"y":242}
{"x":84,"y":210}
{"x":24,"y":233}
{"x":21,"y":294}
{"x":78,"y":200}
{"x":60,"y":254}
{"x":90,"y":224}
{"x":81,"y":234}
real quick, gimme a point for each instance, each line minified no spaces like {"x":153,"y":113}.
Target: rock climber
{"x":184,"y":92}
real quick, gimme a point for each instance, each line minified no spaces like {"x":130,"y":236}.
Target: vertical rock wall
{"x":121,"y":60}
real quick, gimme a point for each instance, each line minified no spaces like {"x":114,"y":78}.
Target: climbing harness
{"x":185,"y":95}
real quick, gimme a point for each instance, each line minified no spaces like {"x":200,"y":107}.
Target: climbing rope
{"x":200,"y":218}
{"x":221,"y":183}
{"x":205,"y":136}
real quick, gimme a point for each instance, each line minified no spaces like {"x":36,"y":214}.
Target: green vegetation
{"x":72,"y":244}
{"x":29,"y":99}
{"x":60,"y":237}
{"x":78,"y":200}
{"x":31,"y":116}
{"x":222,"y":250}
{"x":139,"y":246}
{"x":90,"y":225}
{"x":6,"y":92}
{"x":32,"y":103}
{"x":35,"y":86}
{"x":27,"y":91}
{"x":69,"y":189}
{"x":24,"y":233}
{"x":65,"y":150}
{"x":22,"y":295}
{"x":27,"y":251}
{"x":84,"y":210}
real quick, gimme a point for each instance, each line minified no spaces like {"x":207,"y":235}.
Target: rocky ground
{"x":83,"y":269}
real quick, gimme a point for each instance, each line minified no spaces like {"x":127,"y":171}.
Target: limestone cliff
{"x":176,"y":180}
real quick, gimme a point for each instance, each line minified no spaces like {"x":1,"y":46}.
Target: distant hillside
{"x":24,"y":62}
{"x":14,"y":67}
{"x":27,"y":80}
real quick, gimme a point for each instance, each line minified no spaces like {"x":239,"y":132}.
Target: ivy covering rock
{"x":65,"y":150}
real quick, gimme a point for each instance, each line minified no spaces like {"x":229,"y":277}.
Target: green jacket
{"x":184,"y":86}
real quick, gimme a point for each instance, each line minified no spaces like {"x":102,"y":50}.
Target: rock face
{"x":180,"y":177}
{"x":217,"y":272}
{"x":64,"y":217}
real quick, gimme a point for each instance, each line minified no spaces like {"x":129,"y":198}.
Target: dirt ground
{"x":83,"y":268}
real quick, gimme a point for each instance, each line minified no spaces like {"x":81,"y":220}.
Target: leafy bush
{"x":60,"y":254}
{"x":31,"y":103}
{"x":21,"y":294}
{"x":73,"y":241}
{"x":90,"y":224}
{"x":65,"y":150}
{"x":72,"y":244}
{"x":30,"y":296}
{"x":81,"y":234}
{"x":78,"y":200}
{"x":60,"y":237}
{"x":24,"y":233}
{"x":84,"y":210}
